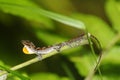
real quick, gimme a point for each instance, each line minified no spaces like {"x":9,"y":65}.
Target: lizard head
{"x":29,"y":47}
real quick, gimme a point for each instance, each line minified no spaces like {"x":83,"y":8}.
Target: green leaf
{"x":47,"y":76}
{"x":1,"y":62}
{"x":110,"y":65}
{"x":113,"y":56}
{"x":49,"y":38}
{"x":97,"y":27}
{"x":84,"y":63}
{"x":20,"y":8}
{"x":2,"y":77}
{"x":112,"y":9}
{"x":106,"y":77}
{"x":14,"y":73}
{"x":67,"y":71}
{"x":29,"y":10}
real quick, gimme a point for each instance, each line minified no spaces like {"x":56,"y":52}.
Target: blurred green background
{"x":101,"y":18}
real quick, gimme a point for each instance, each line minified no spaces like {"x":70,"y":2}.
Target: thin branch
{"x":82,"y":40}
{"x":92,"y":40}
{"x":101,"y":56}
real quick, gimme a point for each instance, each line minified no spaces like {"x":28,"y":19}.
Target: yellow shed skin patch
{"x":25,"y":50}
{"x":29,"y":47}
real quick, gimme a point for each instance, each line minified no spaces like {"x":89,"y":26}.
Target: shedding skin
{"x":30,"y":48}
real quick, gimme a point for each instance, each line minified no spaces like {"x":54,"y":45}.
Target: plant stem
{"x":97,"y":62}
{"x":113,"y":41}
{"x":82,"y":41}
{"x":109,"y":46}
{"x":34,"y":60}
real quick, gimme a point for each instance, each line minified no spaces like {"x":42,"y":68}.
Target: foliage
{"x":25,"y":19}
